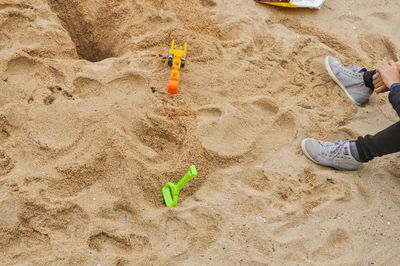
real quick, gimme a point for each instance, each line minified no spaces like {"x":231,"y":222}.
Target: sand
{"x":89,"y":135}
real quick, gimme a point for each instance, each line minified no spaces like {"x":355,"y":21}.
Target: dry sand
{"x":88,"y":134}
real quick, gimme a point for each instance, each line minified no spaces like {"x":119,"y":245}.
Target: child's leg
{"x":384,"y":142}
{"x":368,"y":79}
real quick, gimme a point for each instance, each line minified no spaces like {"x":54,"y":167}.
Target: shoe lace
{"x":357,"y":69}
{"x":333,"y":149}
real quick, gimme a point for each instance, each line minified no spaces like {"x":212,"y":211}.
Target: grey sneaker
{"x":333,"y":154}
{"x":350,"y":79}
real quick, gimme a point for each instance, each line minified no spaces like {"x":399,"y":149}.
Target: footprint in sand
{"x":124,"y":85}
{"x":53,"y":127}
{"x":86,"y":87}
{"x":232,"y":129}
{"x":23,"y":65}
{"x":224,"y":131}
{"x":26,"y":71}
{"x":378,"y":47}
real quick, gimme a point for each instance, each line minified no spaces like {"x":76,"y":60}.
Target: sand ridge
{"x":88,"y":134}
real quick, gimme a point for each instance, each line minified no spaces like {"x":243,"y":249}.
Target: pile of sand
{"x":88,"y":134}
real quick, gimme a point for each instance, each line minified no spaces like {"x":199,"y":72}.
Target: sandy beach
{"x":89,"y":134}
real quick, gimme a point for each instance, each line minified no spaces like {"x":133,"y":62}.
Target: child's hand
{"x":378,"y":83}
{"x":390,"y":73}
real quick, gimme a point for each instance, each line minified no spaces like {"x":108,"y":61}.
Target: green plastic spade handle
{"x":171,"y":191}
{"x":192,"y":172}
{"x":170,"y":194}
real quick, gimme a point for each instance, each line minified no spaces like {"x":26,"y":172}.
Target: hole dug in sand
{"x":88,"y":33}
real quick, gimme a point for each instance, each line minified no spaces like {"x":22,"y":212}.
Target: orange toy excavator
{"x":176,"y":59}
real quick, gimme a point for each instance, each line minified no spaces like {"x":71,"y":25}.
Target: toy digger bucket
{"x":171,"y":191}
{"x":173,"y":82}
{"x":173,"y":86}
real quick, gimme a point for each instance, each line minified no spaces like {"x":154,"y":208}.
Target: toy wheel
{"x":183,"y":61}
{"x":170,"y":59}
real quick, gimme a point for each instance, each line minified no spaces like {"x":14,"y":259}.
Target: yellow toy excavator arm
{"x":172,"y":46}
{"x":184,"y":49}
{"x":176,"y":60}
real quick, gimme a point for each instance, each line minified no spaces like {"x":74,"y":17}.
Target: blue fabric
{"x":394,"y":97}
{"x":393,"y":85}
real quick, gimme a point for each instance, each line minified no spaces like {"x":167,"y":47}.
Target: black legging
{"x":384,"y":142}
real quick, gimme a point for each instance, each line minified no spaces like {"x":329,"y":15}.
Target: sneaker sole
{"x":330,"y":72}
{"x":303,"y":147}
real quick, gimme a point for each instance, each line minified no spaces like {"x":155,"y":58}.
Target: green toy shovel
{"x":171,"y":191}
